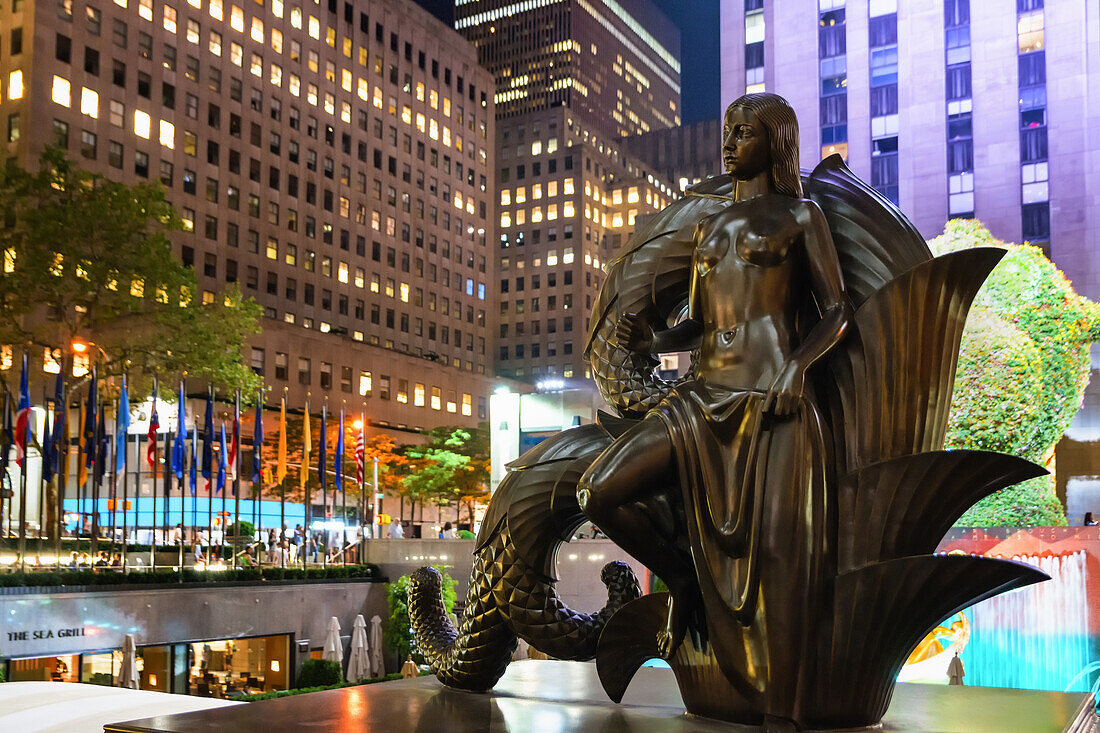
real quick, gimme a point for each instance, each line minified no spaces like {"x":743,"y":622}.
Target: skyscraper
{"x":572,"y":78}
{"x":334,"y":160}
{"x":616,"y":62}
{"x":953,"y":108}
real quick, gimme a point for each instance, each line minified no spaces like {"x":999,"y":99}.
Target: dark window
{"x":884,"y":100}
{"x":754,"y":55}
{"x":956,"y":13}
{"x":1033,"y":69}
{"x":63,"y":48}
{"x":958,"y":81}
{"x":960,"y":156}
{"x":1036,"y":221}
{"x":1033,"y":144}
{"x":883,"y":30}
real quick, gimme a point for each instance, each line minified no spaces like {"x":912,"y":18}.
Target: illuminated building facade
{"x":333,"y":159}
{"x":686,"y":154}
{"x":568,"y":199}
{"x":615,"y":62}
{"x":952,"y":108}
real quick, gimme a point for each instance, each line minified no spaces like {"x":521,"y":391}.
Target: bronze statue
{"x":790,"y":490}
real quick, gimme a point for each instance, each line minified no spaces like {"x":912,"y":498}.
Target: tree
{"x":1023,"y":368}
{"x":86,"y":258}
{"x":452,"y":466}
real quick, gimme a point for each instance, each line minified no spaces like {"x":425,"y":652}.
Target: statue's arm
{"x":828,"y":288}
{"x":827,"y":284}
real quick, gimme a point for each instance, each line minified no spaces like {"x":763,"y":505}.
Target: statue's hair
{"x":778,"y":117}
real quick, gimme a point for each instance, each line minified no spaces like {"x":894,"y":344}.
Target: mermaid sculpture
{"x":790,"y":490}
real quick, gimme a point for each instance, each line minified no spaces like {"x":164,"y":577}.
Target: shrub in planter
{"x":318,"y":673}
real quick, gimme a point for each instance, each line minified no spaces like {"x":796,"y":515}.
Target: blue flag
{"x":90,"y":422}
{"x":257,"y":443}
{"x":51,"y":452}
{"x":208,"y":439}
{"x":338,"y":459}
{"x":122,"y":425}
{"x":179,"y":447}
{"x":194,"y":459}
{"x":223,"y":461}
{"x":102,"y":445}
{"x":7,"y":436}
{"x":321,"y":448}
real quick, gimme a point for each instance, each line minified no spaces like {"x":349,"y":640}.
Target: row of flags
{"x":94,"y":441}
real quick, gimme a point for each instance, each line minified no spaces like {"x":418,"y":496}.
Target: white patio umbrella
{"x":128,"y":674}
{"x":358,"y":657}
{"x":376,"y":646}
{"x":334,"y":650}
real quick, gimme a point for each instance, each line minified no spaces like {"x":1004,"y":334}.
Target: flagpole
{"x":236,"y":476}
{"x":343,"y":492}
{"x":23,"y":471}
{"x":62,"y":461}
{"x":5,"y":446}
{"x":156,"y":465}
{"x":125,"y":478}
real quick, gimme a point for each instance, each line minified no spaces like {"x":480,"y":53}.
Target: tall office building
{"x":334,"y":159}
{"x":568,"y":198}
{"x":572,"y":78}
{"x":686,"y":154}
{"x":615,"y":62}
{"x":952,"y":108}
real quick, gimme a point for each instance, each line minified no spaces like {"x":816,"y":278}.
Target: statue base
{"x":551,"y":696}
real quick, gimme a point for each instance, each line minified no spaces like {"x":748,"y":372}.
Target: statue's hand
{"x":786,"y":390}
{"x":633,"y":333}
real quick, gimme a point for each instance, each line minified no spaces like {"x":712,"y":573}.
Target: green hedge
{"x":318,"y":673}
{"x":190,"y":575}
{"x":303,"y":690}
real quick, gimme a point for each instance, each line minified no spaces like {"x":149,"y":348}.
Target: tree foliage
{"x":1023,"y":367}
{"x":453,"y":466}
{"x":88,"y":258}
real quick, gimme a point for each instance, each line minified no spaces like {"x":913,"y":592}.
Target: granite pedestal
{"x":551,"y":696}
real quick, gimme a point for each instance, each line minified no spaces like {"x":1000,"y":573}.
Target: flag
{"x":321,"y":449}
{"x":307,"y":447}
{"x":194,"y":471}
{"x":51,"y":458}
{"x":360,"y":446}
{"x":154,"y":426}
{"x":49,"y":455}
{"x":102,"y":446}
{"x":223,"y":461}
{"x":179,"y":447}
{"x":234,"y":443}
{"x":122,"y":425}
{"x":280,"y":469}
{"x":208,"y":439}
{"x":338,"y":459}
{"x":258,"y":442}
{"x":89,"y":422}
{"x":8,"y":436}
{"x":82,"y":450}
{"x":23,"y":429}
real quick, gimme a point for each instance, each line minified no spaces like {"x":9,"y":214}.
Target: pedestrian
{"x":247,"y":559}
{"x":284,"y":554}
{"x":1089,"y":521}
{"x":955,"y":671}
{"x":448,"y":532}
{"x":74,"y":560}
{"x":271,"y":546}
{"x":396,"y":530}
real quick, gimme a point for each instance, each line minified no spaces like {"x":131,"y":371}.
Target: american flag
{"x":23,"y":418}
{"x":154,"y":425}
{"x":359,"y":455}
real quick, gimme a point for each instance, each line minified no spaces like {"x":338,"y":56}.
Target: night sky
{"x":700,"y":68}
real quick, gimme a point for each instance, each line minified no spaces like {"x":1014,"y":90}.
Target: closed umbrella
{"x":334,"y":650}
{"x":358,"y":657}
{"x":376,"y":646}
{"x":127,"y":674}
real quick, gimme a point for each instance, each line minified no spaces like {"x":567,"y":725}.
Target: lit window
{"x":364,"y":90}
{"x":277,"y":8}
{"x":314,"y":28}
{"x":169,"y":19}
{"x":137,"y":288}
{"x":50,"y":364}
{"x":505,"y":197}
{"x":296,"y":18}
{"x":536,"y":214}
{"x":216,"y":10}
{"x":167,"y":134}
{"x":295,"y":85}
{"x":536,"y":147}
{"x":15,"y":85}
{"x":145,"y":9}
{"x":467,"y":404}
{"x":236,"y":19}
{"x":420,"y":121}
{"x":567,"y":210}
{"x":437,"y":398}
{"x":257,"y":30}
{"x":418,"y":394}
{"x":404,"y":292}
{"x":505,"y":219}
{"x":406,"y":114}
{"x":364,"y":384}
{"x":567,"y":256}
{"x":276,"y":40}
{"x":342,"y":272}
{"x":236,"y":54}
{"x":420,"y":91}
{"x":60,"y":91}
{"x":192,"y":31}
{"x":142,"y":124}
{"x":89,"y":102}
{"x":433,"y":129}
{"x":551,"y":258}
{"x":345,"y":79}
{"x":276,"y":75}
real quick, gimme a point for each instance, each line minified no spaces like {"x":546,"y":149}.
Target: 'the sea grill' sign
{"x":40,"y":634}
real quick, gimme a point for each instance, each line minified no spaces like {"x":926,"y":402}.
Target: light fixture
{"x":274,"y":665}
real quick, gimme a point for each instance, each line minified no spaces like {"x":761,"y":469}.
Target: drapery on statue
{"x":790,"y":491}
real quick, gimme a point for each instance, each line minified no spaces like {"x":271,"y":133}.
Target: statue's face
{"x":745,"y":149}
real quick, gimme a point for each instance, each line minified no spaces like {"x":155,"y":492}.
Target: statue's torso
{"x":747,"y":264}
